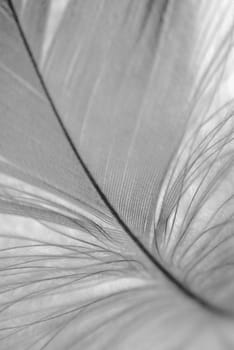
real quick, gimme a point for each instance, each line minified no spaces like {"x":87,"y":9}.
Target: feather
{"x":104,"y":112}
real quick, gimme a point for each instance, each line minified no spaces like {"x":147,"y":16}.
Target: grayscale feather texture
{"x":141,"y":88}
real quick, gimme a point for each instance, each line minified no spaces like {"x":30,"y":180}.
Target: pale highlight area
{"x":221,"y":13}
{"x":57,"y":8}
